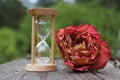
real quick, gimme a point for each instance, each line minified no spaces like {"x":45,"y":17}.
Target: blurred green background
{"x":15,"y":24}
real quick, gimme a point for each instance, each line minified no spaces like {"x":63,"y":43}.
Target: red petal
{"x":82,"y":68}
{"x":59,"y":35}
{"x":94,"y":53}
{"x":80,"y":61}
{"x":100,"y":62}
{"x":87,"y":28}
{"x":71,"y":31}
{"x":92,"y":30}
{"x":85,"y":53}
{"x":72,"y":28}
{"x":102,"y":57}
{"x":95,"y":38}
{"x":104,"y":47}
{"x":83,"y":28}
{"x":85,"y":35}
{"x":69,"y":64}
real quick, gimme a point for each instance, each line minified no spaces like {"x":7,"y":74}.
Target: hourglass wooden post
{"x":36,"y":13}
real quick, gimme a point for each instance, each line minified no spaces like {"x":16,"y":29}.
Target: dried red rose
{"x":82,"y":48}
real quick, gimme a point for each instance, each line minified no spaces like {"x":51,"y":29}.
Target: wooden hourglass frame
{"x":35,"y":13}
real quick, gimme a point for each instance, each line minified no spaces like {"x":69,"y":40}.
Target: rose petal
{"x":100,"y":62}
{"x":80,"y":61}
{"x":104,"y":47}
{"x":83,"y":28}
{"x":69,"y":64}
{"x":102,"y":57}
{"x":71,"y":27}
{"x":82,"y":68}
{"x":59,"y":35}
{"x":94,"y":53}
{"x":92,"y":30}
{"x":95,"y":39}
{"x":85,"y":53}
{"x":73,"y":33}
{"x":85,"y":35}
{"x":72,"y":66}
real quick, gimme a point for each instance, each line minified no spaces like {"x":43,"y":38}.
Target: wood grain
{"x":53,"y":41}
{"x":41,"y":68}
{"x":109,"y":73}
{"x":42,"y":11}
{"x":14,"y":70}
{"x":33,"y":41}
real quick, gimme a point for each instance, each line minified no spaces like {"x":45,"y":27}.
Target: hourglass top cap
{"x":42,"y":11}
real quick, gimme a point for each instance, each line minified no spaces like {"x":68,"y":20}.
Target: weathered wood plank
{"x":62,"y":74}
{"x":11,"y":67}
{"x":109,"y":73}
{"x":14,"y":70}
{"x":34,"y":76}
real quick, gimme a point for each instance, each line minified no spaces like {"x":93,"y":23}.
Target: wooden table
{"x":14,"y":70}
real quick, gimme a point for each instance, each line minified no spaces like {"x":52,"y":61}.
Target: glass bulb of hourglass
{"x":43,"y":51}
{"x":43,"y":28}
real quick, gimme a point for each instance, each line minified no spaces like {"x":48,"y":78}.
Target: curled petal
{"x":95,"y":39}
{"x":87,"y":28}
{"x":72,"y":66}
{"x":69,"y":64}
{"x":59,"y":35}
{"x":82,"y":68}
{"x":92,"y":30}
{"x":94,"y":53}
{"x":83,"y":28}
{"x":102,"y":57}
{"x":85,"y":53}
{"x":80,"y":61}
{"x":104,"y":48}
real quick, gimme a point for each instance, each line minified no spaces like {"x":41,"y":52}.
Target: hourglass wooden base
{"x":41,"y":68}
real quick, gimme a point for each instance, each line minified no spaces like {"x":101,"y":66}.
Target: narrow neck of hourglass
{"x":44,"y":38}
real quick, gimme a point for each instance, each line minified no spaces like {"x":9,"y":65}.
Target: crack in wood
{"x":97,"y":75}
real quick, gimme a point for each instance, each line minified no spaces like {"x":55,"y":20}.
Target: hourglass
{"x":43,"y":22}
